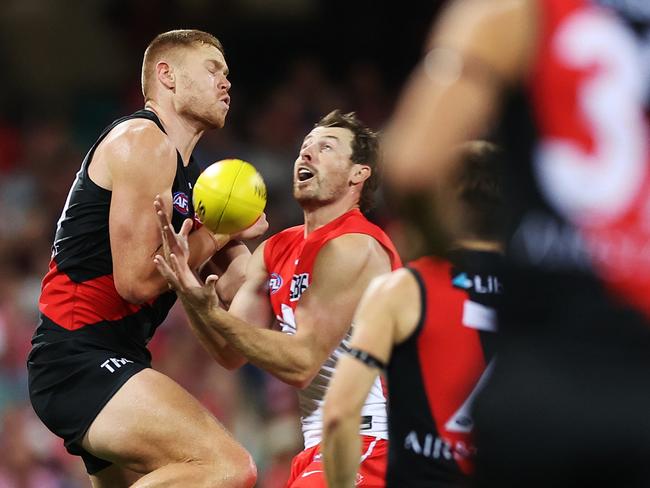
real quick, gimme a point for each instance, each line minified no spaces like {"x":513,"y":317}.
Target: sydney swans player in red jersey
{"x":90,"y":376}
{"x":568,"y":401}
{"x":306,"y":280}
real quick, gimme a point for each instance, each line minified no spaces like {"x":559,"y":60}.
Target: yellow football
{"x":229,"y":196}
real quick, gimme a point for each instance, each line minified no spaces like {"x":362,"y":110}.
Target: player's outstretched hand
{"x":257,"y":229}
{"x":173,"y":264}
{"x":172,"y":242}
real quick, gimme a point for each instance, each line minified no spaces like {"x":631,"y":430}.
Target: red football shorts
{"x":307,"y":470}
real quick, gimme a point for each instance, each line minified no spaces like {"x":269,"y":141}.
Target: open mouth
{"x":304,"y":174}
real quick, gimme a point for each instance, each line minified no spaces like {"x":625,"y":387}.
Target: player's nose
{"x":306,"y":153}
{"x":224,"y":84}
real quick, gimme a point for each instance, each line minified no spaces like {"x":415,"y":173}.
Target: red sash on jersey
{"x":450,"y":355}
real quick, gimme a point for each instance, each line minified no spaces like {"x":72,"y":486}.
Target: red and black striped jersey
{"x":434,"y":375}
{"x":578,"y":136}
{"x":78,"y":297}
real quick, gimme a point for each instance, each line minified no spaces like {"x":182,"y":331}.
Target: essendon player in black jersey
{"x":568,"y":401}
{"x":432,"y":325}
{"x":90,"y":376}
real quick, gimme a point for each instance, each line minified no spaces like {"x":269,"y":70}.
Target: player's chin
{"x":304,"y":198}
{"x":216,"y":120}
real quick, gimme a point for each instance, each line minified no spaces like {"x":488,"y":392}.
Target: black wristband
{"x":366,"y":358}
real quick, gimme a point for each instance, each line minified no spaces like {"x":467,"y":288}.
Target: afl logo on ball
{"x":275,"y":282}
{"x":181,"y":203}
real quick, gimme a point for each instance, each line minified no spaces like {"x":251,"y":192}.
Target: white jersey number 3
{"x":599,"y":186}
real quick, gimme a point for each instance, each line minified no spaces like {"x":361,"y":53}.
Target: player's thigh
{"x":152,"y":421}
{"x":114,"y":477}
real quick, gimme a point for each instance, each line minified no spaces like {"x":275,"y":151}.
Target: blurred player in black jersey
{"x":431,"y":326}
{"x":90,"y":376}
{"x":568,"y":401}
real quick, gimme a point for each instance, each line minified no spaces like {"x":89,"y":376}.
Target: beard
{"x":318,"y":195}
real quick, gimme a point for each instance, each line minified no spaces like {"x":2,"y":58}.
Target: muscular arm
{"x":453,"y":94}
{"x":200,"y":299}
{"x":387,"y":314}
{"x":343,"y":270}
{"x":250,"y":305}
{"x":137,"y":162}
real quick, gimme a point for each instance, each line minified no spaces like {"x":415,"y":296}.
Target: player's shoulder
{"x":289,"y":231}
{"x":352,"y":244}
{"x":350,"y":255}
{"x":398,"y":285}
{"x":284,"y":237}
{"x":136,"y":137}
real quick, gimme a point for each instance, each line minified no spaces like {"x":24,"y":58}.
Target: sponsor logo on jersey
{"x":430,"y":445}
{"x":275,"y":283}
{"x":113,"y":364}
{"x":299,"y":284}
{"x":181,"y":203}
{"x":461,"y":281}
{"x":479,"y":283}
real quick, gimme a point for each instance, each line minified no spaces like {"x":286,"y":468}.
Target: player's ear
{"x":360,"y":173}
{"x":165,"y":74}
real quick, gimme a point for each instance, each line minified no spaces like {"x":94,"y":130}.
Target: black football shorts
{"x":70,"y":383}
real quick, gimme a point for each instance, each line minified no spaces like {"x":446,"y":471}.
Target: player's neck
{"x":182,"y":134}
{"x":320,"y":216}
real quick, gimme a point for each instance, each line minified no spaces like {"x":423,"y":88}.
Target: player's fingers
{"x":159,"y":203}
{"x":211,"y":280}
{"x":166,"y":241}
{"x":163,"y":220}
{"x":186,"y":228}
{"x":178,"y":271}
{"x":159,"y":206}
{"x":166,"y":271}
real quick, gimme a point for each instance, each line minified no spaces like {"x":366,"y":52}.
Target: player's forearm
{"x":203,"y":245}
{"x":433,"y":116}
{"x":281,"y":355}
{"x":212,"y":341}
{"x":341,"y":451}
{"x":345,"y":397}
{"x":137,"y":280}
{"x":230,"y":265}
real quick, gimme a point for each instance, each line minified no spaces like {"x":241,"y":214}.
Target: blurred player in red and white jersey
{"x":307,"y":281}
{"x":568,"y":81}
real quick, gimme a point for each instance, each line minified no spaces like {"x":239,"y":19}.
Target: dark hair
{"x":465,"y":202}
{"x":478,"y":181}
{"x":365,"y":150}
{"x":170,"y":40}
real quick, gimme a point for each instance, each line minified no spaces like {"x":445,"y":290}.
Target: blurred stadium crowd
{"x":71,"y":71}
